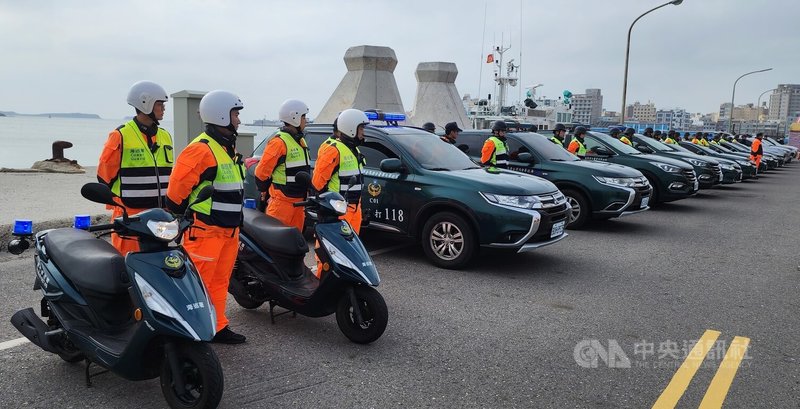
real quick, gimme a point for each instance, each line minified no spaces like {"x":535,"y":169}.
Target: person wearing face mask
{"x":494,"y":153}
{"x":213,"y":240}
{"x":559,"y":133}
{"x":285,"y":155}
{"x":576,"y":145}
{"x":136,"y":160}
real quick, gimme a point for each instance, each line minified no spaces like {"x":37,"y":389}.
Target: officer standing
{"x":757,"y":151}
{"x":670,"y":137}
{"x":495,"y":150}
{"x":285,"y":155}
{"x":576,"y":145}
{"x":717,"y":139}
{"x":626,"y":139}
{"x":136,"y":160}
{"x":559,"y":133}
{"x":213,"y":240}
{"x":648,"y":132}
{"x":429,"y":126}
{"x":657,"y":135}
{"x":451,"y":131}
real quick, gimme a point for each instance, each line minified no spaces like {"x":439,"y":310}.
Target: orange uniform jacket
{"x":487,"y":151}
{"x":195,"y":159}
{"x":573,"y":147}
{"x":273,"y":152}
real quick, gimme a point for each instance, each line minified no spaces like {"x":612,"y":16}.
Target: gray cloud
{"x":65,"y":56}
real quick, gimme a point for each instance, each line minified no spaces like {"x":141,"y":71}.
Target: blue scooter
{"x":270,"y":268}
{"x":140,"y":317}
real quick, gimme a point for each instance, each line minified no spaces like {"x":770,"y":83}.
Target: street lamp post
{"x":628,"y":52}
{"x":759,"y":102}
{"x":733,"y":94}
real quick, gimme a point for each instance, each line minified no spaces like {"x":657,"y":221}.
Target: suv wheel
{"x":580,"y":208}
{"x":448,"y":240}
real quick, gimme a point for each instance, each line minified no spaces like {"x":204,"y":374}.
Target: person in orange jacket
{"x":136,"y":160}
{"x":494,"y":153}
{"x":757,"y":151}
{"x":338,"y":161}
{"x":213,"y":240}
{"x":285,"y":155}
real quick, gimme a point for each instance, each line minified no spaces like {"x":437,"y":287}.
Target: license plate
{"x":558,"y":229}
{"x":645,"y":201}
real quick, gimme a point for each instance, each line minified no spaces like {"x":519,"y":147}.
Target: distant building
{"x":587,"y":108}
{"x":641,"y":112}
{"x":784,"y":103}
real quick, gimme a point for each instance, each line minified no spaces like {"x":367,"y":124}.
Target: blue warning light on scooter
{"x":22,"y":227}
{"x":82,"y":221}
{"x":249,"y":203}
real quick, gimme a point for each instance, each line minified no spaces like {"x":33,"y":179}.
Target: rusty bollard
{"x":58,"y":151}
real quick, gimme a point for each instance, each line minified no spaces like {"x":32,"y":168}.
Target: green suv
{"x":594,"y":189}
{"x":671,"y":179}
{"x":419,"y":186}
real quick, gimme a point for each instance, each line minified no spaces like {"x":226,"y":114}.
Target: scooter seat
{"x":270,"y":234}
{"x":90,"y":263}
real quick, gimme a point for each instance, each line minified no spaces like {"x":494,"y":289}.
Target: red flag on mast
{"x":489,"y":58}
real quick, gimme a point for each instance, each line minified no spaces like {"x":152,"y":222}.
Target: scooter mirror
{"x":303,"y":178}
{"x":98,"y":193}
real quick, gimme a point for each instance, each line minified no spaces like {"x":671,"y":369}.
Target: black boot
{"x":226,"y":336}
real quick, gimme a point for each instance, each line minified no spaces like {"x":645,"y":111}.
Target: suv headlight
{"x":626,"y":182}
{"x":725,"y":166}
{"x":696,"y":162}
{"x":522,"y":202}
{"x":667,"y":167}
{"x":164,"y":230}
{"x":743,"y":162}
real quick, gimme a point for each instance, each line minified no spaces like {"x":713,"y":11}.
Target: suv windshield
{"x":432,"y":153}
{"x":546,"y":148}
{"x":614,"y":143}
{"x":655,"y":145}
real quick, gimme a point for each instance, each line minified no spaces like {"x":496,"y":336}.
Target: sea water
{"x":27,"y":139}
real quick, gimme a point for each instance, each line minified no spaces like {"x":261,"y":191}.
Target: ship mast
{"x":503,"y":81}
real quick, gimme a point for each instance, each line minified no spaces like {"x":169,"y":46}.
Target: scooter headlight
{"x":164,"y":230}
{"x":157,"y":303}
{"x":339,"y":205}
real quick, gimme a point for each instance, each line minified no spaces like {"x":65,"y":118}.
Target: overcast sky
{"x":82,"y":56}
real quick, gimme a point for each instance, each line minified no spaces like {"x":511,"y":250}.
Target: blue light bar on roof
{"x":23,"y":227}
{"x":385,"y":116}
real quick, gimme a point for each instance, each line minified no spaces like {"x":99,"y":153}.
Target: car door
{"x":388,"y":198}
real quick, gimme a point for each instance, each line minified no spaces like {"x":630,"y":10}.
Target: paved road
{"x":516,"y":331}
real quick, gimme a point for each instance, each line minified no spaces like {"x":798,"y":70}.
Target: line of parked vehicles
{"x":148,"y":315}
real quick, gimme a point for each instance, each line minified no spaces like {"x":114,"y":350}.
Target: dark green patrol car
{"x":417,"y":185}
{"x":671,"y":179}
{"x":594,"y":189}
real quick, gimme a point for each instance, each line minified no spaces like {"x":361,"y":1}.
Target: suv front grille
{"x":689,"y":174}
{"x":553,"y":202}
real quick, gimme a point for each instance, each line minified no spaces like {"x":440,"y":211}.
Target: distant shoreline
{"x":53,"y":115}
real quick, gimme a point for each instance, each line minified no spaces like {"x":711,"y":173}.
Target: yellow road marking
{"x":718,"y":389}
{"x":680,"y":381}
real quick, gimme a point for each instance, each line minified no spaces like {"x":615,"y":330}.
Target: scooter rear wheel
{"x":201,"y":373}
{"x":374,"y":313}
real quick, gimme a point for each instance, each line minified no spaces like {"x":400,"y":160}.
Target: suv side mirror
{"x":392,"y":165}
{"x":644,"y":149}
{"x":464,"y":148}
{"x":525,"y":157}
{"x":601,"y":150}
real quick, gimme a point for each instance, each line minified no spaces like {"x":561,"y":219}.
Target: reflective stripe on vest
{"x":500,"y":155}
{"x":143,"y":175}
{"x":224,"y":207}
{"x":296,"y":160}
{"x":348,"y":167}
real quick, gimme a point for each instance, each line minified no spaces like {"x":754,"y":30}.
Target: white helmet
{"x":349,"y":120}
{"x":216,"y":106}
{"x":291,"y":111}
{"x":144,"y":94}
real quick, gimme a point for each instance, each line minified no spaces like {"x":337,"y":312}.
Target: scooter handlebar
{"x":304,"y":203}
{"x":100,"y":227}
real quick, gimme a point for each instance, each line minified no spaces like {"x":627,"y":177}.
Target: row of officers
{"x":138,"y":164}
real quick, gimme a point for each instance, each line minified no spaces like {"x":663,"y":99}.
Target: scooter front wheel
{"x":201,"y":374}
{"x":373,"y":311}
